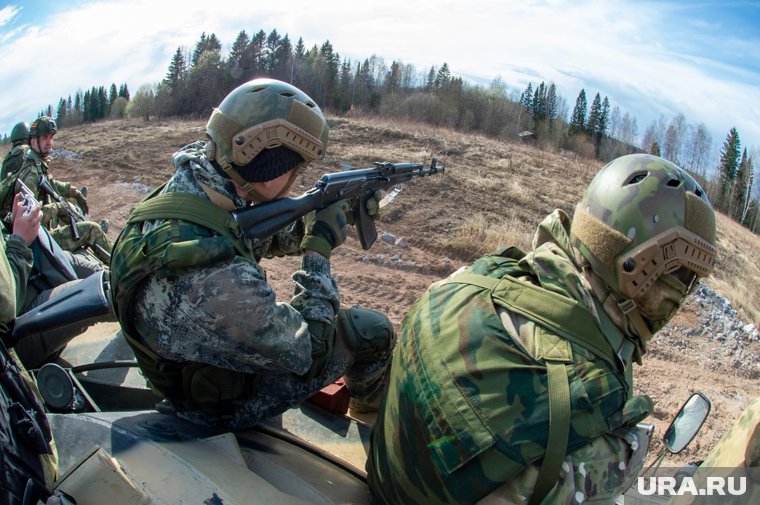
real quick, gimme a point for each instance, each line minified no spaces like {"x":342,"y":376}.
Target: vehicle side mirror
{"x":687,"y":423}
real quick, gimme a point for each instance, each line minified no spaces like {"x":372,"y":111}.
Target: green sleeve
{"x":18,"y":258}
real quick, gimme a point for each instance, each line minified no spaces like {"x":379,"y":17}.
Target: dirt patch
{"x":444,"y":222}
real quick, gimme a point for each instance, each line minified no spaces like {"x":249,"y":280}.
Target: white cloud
{"x":615,"y":47}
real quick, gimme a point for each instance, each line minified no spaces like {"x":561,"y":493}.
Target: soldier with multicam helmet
{"x":193,"y":300}
{"x":55,"y":215}
{"x":488,"y":357}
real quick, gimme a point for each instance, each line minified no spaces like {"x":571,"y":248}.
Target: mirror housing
{"x":687,"y":423}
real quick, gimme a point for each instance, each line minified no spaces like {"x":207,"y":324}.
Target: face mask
{"x":662,"y":301}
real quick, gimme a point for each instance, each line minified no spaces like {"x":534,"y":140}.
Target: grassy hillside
{"x":492,"y":194}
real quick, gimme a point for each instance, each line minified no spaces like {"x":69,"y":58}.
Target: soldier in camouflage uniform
{"x":28,"y":458}
{"x":487,"y":357}
{"x":55,"y":215}
{"x":193,"y":300}
{"x":15,"y":157}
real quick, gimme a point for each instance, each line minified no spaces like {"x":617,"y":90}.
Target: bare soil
{"x":493,"y":193}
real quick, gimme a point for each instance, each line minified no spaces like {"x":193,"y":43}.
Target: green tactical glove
{"x":81,"y":200}
{"x":372,"y":205}
{"x":326,"y":229}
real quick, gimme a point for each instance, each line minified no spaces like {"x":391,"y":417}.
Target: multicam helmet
{"x":42,"y":126}
{"x":20,"y":132}
{"x":641,"y":218}
{"x":265,"y":115}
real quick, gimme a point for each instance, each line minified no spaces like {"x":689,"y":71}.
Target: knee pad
{"x":368,"y":333}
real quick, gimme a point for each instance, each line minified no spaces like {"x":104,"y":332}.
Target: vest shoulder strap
{"x":191,"y":208}
{"x":560,"y":314}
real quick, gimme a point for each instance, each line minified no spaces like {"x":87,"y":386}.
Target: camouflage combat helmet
{"x":20,"y":132}
{"x":642,"y":218}
{"x":262,"y":117}
{"x":42,"y":126}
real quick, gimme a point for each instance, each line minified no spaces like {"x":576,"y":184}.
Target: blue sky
{"x":699,"y":58}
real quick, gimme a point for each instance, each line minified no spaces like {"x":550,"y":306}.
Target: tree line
{"x":198,"y":79}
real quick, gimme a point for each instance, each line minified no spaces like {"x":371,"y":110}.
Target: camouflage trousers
{"x":362,"y":360}
{"x":91,"y":236}
{"x":597,"y":473}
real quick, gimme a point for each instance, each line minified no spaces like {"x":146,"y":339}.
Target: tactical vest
{"x":195,"y":232}
{"x":14,"y":160}
{"x":27,"y":461}
{"x":483,"y":407}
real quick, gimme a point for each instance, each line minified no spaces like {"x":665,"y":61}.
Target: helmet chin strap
{"x":623,"y":311}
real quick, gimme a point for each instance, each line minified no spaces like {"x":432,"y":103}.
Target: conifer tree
{"x":592,"y":124}
{"x":578,"y":117}
{"x":526,"y":99}
{"x":728,"y":166}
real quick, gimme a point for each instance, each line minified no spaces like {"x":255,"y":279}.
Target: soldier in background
{"x":512,"y":381}
{"x":19,"y":149}
{"x":56,"y":215}
{"x":193,"y":300}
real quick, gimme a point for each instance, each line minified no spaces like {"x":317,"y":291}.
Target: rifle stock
{"x":263,"y":220}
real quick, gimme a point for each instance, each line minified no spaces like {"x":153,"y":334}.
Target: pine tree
{"x":430,"y":81}
{"x":175,"y":81}
{"x":741,"y":188}
{"x":443,"y":77}
{"x":592,"y":124}
{"x":235,"y":60}
{"x":578,"y":117}
{"x":526,"y":99}
{"x":729,"y":164}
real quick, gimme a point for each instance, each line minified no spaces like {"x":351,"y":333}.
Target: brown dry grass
{"x":493,"y":193}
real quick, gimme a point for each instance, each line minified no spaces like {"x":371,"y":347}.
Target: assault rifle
{"x":263,"y":220}
{"x":75,"y":216}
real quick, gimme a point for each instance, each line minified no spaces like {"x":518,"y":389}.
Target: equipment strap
{"x":559,"y":428}
{"x":191,"y":208}
{"x":561,"y":314}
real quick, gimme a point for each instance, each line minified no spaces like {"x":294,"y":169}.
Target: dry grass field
{"x":493,"y":193}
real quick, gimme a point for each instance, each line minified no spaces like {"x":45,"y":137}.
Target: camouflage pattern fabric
{"x":90,"y":233}
{"x":15,"y":267}
{"x":225,"y":315}
{"x":13,"y":160}
{"x":466,"y":409}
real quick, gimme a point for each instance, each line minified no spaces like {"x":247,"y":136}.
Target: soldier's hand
{"x":81,"y":200}
{"x":326,"y":229}
{"x":61,"y":209}
{"x":25,"y":224}
{"x":372,"y":205}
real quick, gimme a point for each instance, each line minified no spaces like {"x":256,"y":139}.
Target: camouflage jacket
{"x":14,"y":159}
{"x":33,"y":168}
{"x":15,"y":267}
{"x":225,"y":314}
{"x":465,"y":417}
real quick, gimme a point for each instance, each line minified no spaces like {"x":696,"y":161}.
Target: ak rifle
{"x":263,"y":220}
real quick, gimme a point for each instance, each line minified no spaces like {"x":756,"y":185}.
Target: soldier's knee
{"x":368,"y":333}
